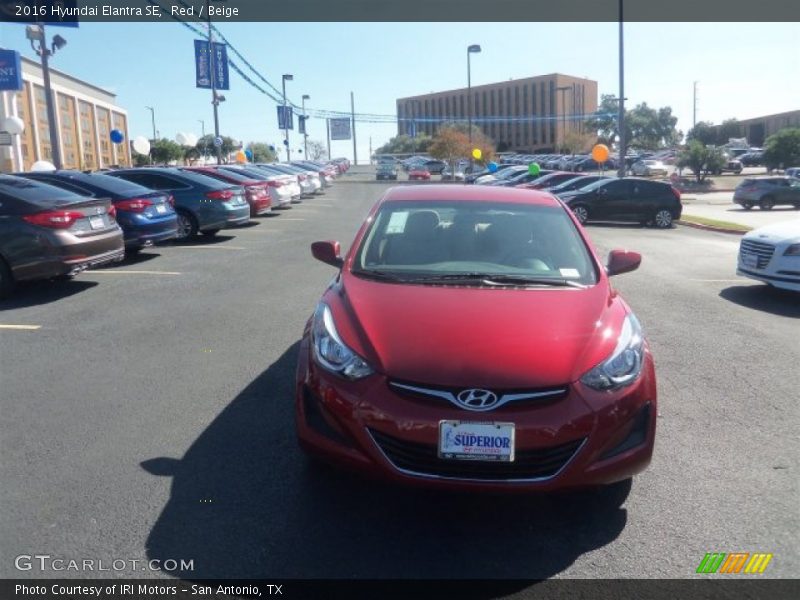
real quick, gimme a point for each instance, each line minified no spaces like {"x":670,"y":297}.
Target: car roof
{"x":467,"y":193}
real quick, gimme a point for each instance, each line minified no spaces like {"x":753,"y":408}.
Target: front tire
{"x":187,"y":226}
{"x":663,"y":219}
{"x":767,"y":202}
{"x":581,"y":213}
{"x":7,"y":282}
{"x":210,"y":232}
{"x":748,"y":206}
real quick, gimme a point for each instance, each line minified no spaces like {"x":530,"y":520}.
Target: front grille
{"x":503,"y":397}
{"x":423,"y":460}
{"x":762,"y":251}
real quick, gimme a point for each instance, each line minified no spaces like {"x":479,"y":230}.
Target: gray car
{"x":47,"y":232}
{"x":766,"y":192}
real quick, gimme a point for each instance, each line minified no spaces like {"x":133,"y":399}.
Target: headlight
{"x":625,"y":363}
{"x":330,"y":351}
{"x":793,"y":250}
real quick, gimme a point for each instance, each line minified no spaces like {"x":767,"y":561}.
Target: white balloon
{"x":43,"y":165}
{"x":191,"y":139}
{"x":181,"y":138}
{"x":141,"y":145}
{"x":14,"y":125}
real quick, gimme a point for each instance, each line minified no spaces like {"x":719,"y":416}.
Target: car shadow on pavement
{"x":246,"y":503}
{"x":766,"y":298}
{"x":204,"y":240}
{"x":136,"y":258}
{"x":35,"y":293}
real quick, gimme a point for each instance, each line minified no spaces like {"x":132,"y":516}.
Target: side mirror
{"x":622,"y":261}
{"x":602,"y":191}
{"x":328,"y":252}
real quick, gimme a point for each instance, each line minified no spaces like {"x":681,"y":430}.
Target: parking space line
{"x":21,"y":327}
{"x":127,"y":272}
{"x":291,"y":219}
{"x":210,"y":247}
{"x":721,"y":280}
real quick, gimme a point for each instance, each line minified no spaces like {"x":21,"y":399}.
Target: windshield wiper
{"x":498,"y":279}
{"x":376,"y":275}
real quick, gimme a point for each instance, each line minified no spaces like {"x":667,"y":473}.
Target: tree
{"x":404,"y":144}
{"x":576,"y":142}
{"x":782,"y":149}
{"x":701,"y":159}
{"x":261,"y":152}
{"x":165,"y":151}
{"x":704,"y":132}
{"x":206,"y":146}
{"x":317,"y":150}
{"x":646,"y":128}
{"x":730,"y":128}
{"x":604,"y":121}
{"x":452,"y":143}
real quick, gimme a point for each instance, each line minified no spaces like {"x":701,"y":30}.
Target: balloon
{"x":272,"y":148}
{"x":492,"y":167}
{"x":14,"y":125}
{"x":116,"y":136}
{"x":43,"y":165}
{"x":141,"y":145}
{"x":191,"y":139}
{"x":476,"y":154}
{"x":241,"y":157}
{"x":533,"y":168}
{"x":249,"y":154}
{"x":600,"y":153}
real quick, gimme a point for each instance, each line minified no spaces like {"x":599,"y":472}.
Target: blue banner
{"x":10,"y":70}
{"x":285,"y":117}
{"x":202,"y":65}
{"x":301,"y":124}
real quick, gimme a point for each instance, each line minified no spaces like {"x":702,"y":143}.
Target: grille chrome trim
{"x":762,"y":251}
{"x":510,"y":480}
{"x":504,"y":398}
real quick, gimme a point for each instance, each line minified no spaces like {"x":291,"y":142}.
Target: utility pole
{"x":203,"y":137}
{"x":621,"y":116}
{"x":694,"y":106}
{"x":353,"y":117}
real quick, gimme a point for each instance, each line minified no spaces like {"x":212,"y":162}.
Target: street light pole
{"x":203,"y":137}
{"x":563,"y":89}
{"x":285,"y":120}
{"x":473,"y":49}
{"x":621,"y":115}
{"x":305,"y":127}
{"x":214,"y":99}
{"x":37,"y":33}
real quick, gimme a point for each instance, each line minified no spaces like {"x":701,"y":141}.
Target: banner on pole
{"x":285,"y":117}
{"x":340,"y":128}
{"x":202,"y":65}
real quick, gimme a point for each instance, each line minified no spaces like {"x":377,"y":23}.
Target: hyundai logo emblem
{"x":475,"y":399}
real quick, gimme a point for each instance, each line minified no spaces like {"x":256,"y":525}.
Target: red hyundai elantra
{"x":472,"y":340}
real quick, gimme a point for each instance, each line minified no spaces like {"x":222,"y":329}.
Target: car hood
{"x":457,"y":336}
{"x":788,"y":231}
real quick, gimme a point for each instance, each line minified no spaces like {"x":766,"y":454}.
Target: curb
{"x":711,"y":228}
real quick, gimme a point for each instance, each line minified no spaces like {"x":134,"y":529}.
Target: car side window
{"x":68,"y":185}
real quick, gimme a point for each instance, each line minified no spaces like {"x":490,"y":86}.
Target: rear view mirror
{"x":622,"y":261}
{"x":328,"y":252}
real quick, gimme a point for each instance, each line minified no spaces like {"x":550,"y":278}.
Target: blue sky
{"x":743,"y":69}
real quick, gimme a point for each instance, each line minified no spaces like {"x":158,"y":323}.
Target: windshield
{"x":447,"y":240}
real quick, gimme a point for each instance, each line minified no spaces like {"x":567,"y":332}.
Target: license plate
{"x":97,"y":222}
{"x":750,"y":260}
{"x":161,"y":209}
{"x":460,"y":440}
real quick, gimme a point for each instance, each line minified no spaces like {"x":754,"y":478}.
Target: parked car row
{"x":58,"y":223}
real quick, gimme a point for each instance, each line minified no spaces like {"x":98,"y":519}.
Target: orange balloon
{"x":600,"y":153}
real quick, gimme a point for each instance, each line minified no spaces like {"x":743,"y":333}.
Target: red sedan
{"x":473,"y":340}
{"x":419,"y":174}
{"x":256,"y":192}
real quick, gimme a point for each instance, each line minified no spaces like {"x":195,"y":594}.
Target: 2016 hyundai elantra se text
{"x":472,"y":340}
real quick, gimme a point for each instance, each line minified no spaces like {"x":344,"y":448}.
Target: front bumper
{"x":780,"y":278}
{"x":585,"y":438}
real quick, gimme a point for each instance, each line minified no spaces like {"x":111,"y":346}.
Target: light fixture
{"x":58,"y":42}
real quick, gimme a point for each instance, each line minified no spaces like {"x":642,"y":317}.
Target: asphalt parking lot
{"x":146,"y":413}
